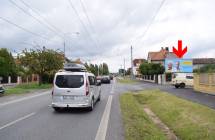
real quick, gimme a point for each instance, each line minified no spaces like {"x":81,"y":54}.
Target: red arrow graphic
{"x":179,"y":52}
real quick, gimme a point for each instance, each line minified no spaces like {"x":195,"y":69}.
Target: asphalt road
{"x":30,"y":117}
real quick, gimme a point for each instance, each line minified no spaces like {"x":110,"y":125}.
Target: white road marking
{"x":101,"y":133}
{"x":18,"y":120}
{"x":24,"y":98}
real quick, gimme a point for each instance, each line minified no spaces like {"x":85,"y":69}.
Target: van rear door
{"x":69,"y":84}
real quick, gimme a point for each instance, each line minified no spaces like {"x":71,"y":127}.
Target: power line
{"x":88,"y":18}
{"x":150,"y":23}
{"x":82,"y":23}
{"x":39,"y":14}
{"x":24,"y":29}
{"x":26,"y":12}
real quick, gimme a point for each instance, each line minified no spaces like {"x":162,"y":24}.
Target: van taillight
{"x":87,"y":88}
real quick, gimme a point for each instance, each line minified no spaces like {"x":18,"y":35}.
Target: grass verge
{"x":26,"y":88}
{"x":188,"y":120}
{"x":137,"y":124}
{"x":126,"y":81}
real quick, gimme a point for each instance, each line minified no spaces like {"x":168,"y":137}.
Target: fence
{"x":11,"y":80}
{"x":149,"y":78}
{"x":204,"y":82}
{"x":159,"y":79}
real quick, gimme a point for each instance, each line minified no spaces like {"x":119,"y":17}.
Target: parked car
{"x":74,"y":87}
{"x":2,"y":90}
{"x":106,"y":79}
{"x":182,"y":80}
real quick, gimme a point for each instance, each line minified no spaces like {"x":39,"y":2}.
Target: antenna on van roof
{"x":74,"y":67}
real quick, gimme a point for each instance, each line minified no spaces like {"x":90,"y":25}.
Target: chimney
{"x":167,"y":49}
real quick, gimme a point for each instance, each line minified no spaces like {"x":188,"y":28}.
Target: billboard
{"x":179,"y":65}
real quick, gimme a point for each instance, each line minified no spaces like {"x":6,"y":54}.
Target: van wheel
{"x":92,"y":105}
{"x":57,"y":109}
{"x":176,"y":86}
{"x":182,"y":85}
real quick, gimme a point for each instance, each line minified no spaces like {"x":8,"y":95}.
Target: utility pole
{"x":102,"y":68}
{"x":98,"y":69}
{"x":121,"y":70}
{"x":64,"y":50}
{"x":132,"y":66}
{"x":124,"y":67}
{"x":64,"y":43}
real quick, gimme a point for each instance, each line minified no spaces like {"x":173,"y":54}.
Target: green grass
{"x":137,"y":124}
{"x":26,"y":88}
{"x":126,"y":81}
{"x":188,"y":120}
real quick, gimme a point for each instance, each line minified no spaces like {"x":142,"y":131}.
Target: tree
{"x":157,"y":69}
{"x":96,"y":69}
{"x":87,"y":66}
{"x":102,"y":69}
{"x":105,"y":69}
{"x":92,"y":69}
{"x":42,"y":62}
{"x":144,"y":68}
{"x":7,"y":63}
{"x":151,"y":69}
{"x":209,"y":68}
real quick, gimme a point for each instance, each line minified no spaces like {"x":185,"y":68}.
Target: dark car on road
{"x":1,"y":89}
{"x":105,"y":79}
{"x":111,"y":77}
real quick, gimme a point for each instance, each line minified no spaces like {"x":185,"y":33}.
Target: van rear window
{"x":69,"y":81}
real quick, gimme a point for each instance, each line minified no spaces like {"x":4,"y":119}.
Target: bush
{"x":151,"y":69}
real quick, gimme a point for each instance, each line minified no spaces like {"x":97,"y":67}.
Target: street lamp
{"x":64,"y":42}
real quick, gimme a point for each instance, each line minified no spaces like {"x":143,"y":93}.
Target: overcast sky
{"x":114,"y":26}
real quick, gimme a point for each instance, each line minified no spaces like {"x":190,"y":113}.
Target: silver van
{"x":75,"y":87}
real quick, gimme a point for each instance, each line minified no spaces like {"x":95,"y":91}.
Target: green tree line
{"x":44,"y":62}
{"x":101,"y":69}
{"x":151,"y":69}
{"x":7,"y":63}
{"x":209,"y":68}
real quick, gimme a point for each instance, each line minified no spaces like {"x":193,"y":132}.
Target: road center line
{"x":24,"y":98}
{"x":101,"y":133}
{"x":18,"y":120}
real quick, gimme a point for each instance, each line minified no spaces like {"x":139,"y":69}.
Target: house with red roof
{"x":160,"y":56}
{"x":136,"y":63}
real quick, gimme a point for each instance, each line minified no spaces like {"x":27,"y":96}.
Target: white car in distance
{"x":182,"y":80}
